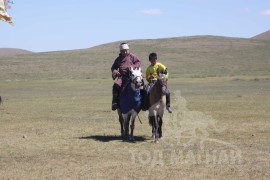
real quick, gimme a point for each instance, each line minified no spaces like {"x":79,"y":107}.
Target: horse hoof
{"x":156,"y":141}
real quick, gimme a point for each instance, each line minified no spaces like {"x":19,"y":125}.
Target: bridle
{"x":131,"y":78}
{"x":134,"y":78}
{"x":162,"y":80}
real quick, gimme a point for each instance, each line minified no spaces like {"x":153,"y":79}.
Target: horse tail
{"x":0,"y":99}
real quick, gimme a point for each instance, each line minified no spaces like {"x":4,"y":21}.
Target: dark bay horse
{"x":157,"y":105}
{"x":130,"y":102}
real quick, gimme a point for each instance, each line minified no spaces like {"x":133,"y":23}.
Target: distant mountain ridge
{"x":263,"y":36}
{"x":13,"y":51}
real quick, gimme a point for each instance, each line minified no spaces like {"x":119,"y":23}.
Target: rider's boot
{"x":168,"y":101}
{"x":115,"y":98}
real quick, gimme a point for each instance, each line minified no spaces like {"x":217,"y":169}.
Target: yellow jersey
{"x":152,"y":70}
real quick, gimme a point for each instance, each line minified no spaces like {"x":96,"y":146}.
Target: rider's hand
{"x":115,"y":74}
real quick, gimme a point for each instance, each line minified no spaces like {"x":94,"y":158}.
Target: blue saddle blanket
{"x":130,"y":99}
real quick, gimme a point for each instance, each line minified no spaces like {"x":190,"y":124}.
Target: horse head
{"x":162,"y":81}
{"x":136,"y":76}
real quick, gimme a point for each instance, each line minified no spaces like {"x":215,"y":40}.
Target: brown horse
{"x":157,"y":104}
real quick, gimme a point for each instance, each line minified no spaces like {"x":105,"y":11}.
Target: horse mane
{"x":156,"y":88}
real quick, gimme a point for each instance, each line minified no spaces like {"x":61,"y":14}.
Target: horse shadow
{"x":108,"y":138}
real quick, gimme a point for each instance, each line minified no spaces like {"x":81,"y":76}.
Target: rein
{"x":162,"y":84}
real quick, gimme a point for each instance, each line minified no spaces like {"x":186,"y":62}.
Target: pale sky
{"x":53,"y":25}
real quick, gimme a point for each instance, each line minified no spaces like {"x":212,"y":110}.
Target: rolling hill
{"x":12,"y":51}
{"x":263,"y":36}
{"x":196,"y":56}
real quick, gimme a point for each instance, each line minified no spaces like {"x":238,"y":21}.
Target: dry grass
{"x":62,"y":129}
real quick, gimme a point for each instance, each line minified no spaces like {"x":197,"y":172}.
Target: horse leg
{"x":151,"y":122}
{"x":121,"y":121}
{"x":127,"y":121}
{"x":160,"y":121}
{"x":153,"y":130}
{"x":156,"y":129}
{"x":132,"y":126}
{"x":125,"y":125}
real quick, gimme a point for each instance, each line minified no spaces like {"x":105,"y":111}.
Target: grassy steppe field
{"x":57,"y":123}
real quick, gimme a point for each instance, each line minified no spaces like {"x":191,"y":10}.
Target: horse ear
{"x":166,"y":71}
